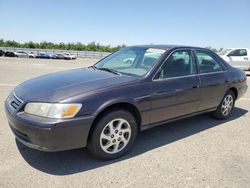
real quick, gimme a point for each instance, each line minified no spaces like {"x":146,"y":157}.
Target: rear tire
{"x":224,"y":110}
{"x":113,"y":135}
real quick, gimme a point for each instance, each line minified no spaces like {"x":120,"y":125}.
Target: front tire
{"x":224,"y":110}
{"x":113,"y":135}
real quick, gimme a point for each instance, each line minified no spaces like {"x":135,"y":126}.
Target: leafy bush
{"x":61,"y":46}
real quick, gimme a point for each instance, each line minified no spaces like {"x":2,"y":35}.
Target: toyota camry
{"x":104,"y":106}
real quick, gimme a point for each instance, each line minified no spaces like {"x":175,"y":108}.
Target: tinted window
{"x":207,"y":63}
{"x":180,"y":63}
{"x":239,"y":52}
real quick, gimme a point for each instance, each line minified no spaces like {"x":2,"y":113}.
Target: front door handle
{"x":245,"y":58}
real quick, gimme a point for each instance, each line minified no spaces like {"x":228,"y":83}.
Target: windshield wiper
{"x":107,"y":70}
{"x":93,"y":66}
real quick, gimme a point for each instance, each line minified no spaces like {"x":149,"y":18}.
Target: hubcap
{"x":227,"y":105}
{"x":115,"y":136}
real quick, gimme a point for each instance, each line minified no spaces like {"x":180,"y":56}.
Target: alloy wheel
{"x":227,"y":105}
{"x":115,"y":136}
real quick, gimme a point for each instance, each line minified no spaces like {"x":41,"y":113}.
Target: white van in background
{"x":237,"y":57}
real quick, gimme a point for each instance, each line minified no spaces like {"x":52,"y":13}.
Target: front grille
{"x":15,"y":101}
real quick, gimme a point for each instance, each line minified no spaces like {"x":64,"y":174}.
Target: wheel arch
{"x":235,"y":92}
{"x":130,"y":107}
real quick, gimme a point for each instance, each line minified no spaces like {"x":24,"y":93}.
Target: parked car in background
{"x":9,"y":54}
{"x":21,"y":54}
{"x":69,"y":56}
{"x":104,"y":106}
{"x":237,"y":57}
{"x":43,"y":55}
{"x":1,"y":52}
{"x":32,"y":55}
{"x":57,"y":56}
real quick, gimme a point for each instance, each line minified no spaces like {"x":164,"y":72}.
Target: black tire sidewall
{"x":94,"y":142}
{"x":218,"y":112}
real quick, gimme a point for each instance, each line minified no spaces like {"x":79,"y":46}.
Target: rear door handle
{"x":245,"y":58}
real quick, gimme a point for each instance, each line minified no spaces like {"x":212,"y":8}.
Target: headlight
{"x":52,"y":110}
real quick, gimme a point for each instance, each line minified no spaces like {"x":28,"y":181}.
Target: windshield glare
{"x":135,"y":61}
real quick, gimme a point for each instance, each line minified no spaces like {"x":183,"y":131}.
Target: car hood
{"x":56,"y":87}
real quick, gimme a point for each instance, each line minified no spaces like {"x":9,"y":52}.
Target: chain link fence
{"x":79,"y":54}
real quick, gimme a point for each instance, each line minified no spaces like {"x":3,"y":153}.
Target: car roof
{"x":164,"y":46}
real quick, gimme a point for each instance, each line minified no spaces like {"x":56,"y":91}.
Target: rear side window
{"x":239,"y":52}
{"x":207,"y":63}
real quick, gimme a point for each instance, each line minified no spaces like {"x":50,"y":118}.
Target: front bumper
{"x":49,"y":134}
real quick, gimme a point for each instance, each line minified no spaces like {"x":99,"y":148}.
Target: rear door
{"x":214,"y":80}
{"x":175,"y":89}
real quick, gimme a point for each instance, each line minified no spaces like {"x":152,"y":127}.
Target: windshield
{"x":224,"y":52}
{"x":135,"y":61}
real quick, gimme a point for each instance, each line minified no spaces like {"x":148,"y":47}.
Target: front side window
{"x":134,"y":61}
{"x":207,"y":63}
{"x":179,"y":63}
{"x":239,"y":52}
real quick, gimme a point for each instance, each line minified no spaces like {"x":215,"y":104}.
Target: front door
{"x":176,"y":88}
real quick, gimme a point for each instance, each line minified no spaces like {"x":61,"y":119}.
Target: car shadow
{"x":79,"y":160}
